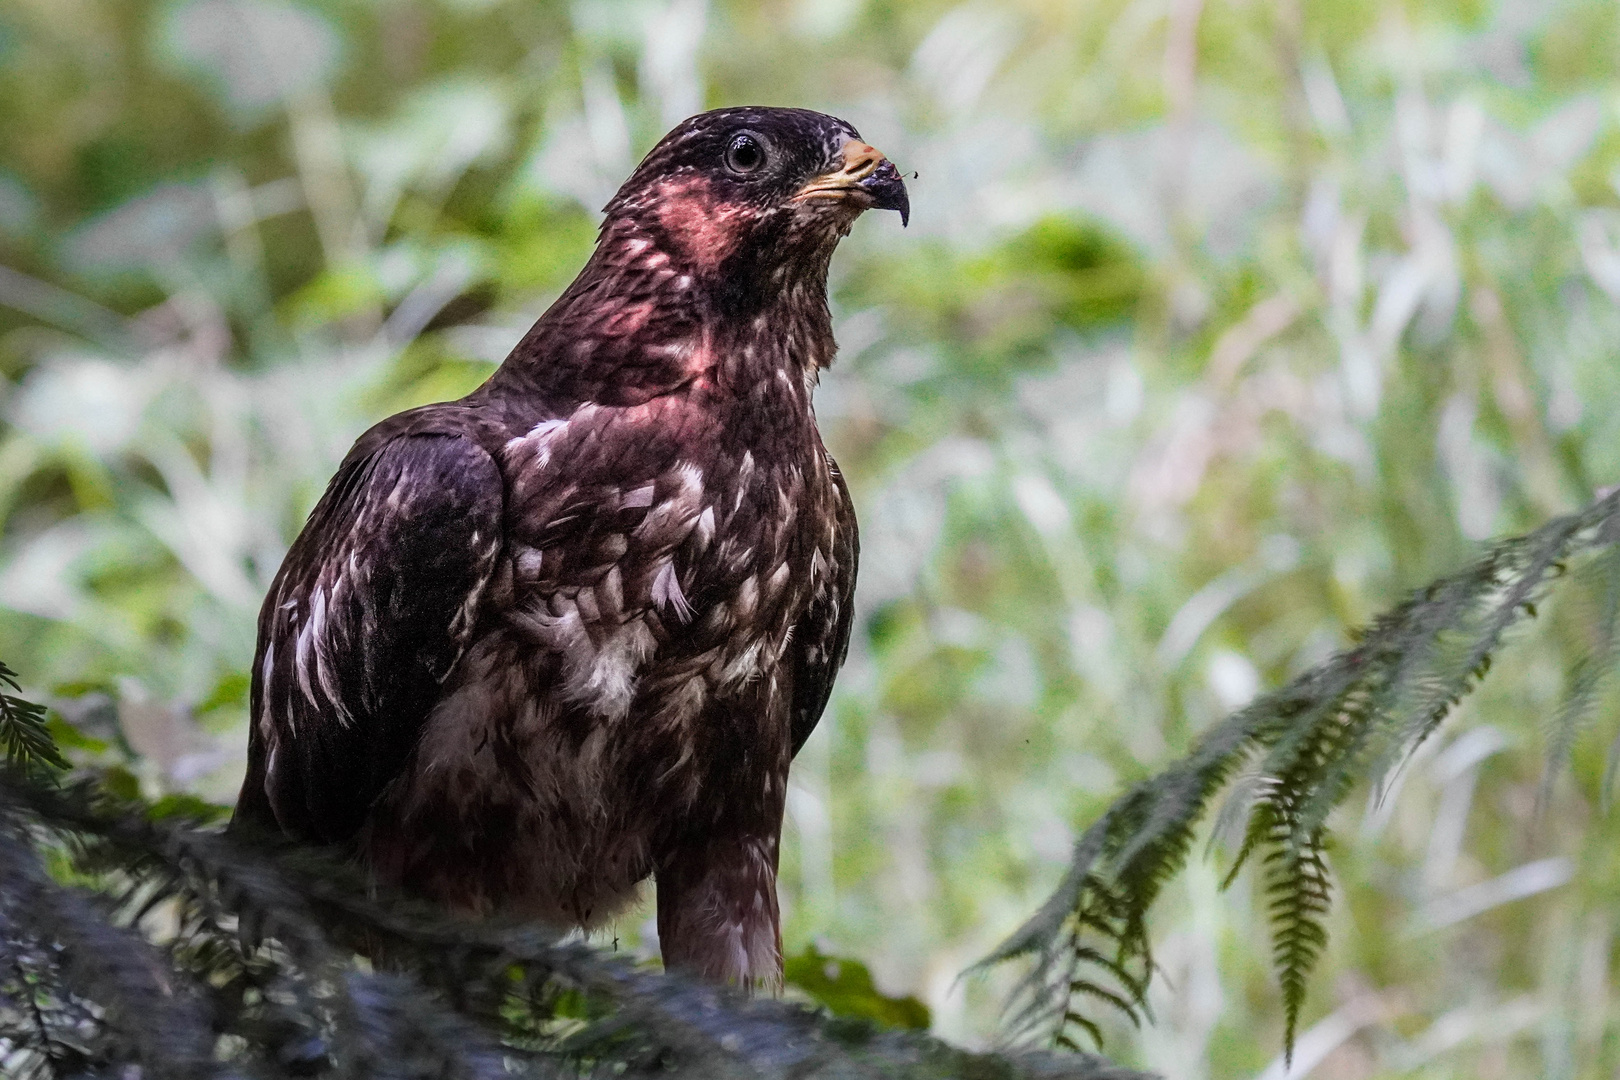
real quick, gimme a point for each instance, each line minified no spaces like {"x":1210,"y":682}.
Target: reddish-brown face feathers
{"x":712,"y":266}
{"x":758,"y":194}
{"x":700,"y":230}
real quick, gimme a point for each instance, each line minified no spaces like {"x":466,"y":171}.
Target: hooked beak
{"x":866,"y":174}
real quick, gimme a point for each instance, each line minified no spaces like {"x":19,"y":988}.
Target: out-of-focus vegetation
{"x":1287,"y":762}
{"x":1220,"y":324}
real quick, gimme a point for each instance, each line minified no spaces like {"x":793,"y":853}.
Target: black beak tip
{"x":888,"y":191}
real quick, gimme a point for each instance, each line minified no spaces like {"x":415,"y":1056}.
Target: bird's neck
{"x":642,"y":320}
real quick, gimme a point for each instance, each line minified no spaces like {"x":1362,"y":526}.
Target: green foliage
{"x":25,"y":736}
{"x":844,"y":987}
{"x":1091,"y":278}
{"x":1363,"y":711}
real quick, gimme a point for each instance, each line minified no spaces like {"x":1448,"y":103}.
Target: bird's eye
{"x":745,"y":155}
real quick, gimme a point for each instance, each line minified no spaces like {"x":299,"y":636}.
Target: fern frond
{"x":1358,"y":714}
{"x":1590,"y":674}
{"x":24,"y":738}
{"x":1300,"y":894}
{"x":1118,"y":1001}
{"x":1084,"y":1024}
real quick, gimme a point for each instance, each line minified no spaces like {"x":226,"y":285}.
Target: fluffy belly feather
{"x":564,"y":758}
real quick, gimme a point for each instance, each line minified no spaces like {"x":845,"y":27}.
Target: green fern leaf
{"x":1357,"y":715}
{"x":24,"y":738}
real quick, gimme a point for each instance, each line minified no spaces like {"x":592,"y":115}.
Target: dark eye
{"x":745,"y":155}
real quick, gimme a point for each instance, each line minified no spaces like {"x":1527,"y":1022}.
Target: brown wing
{"x":821,"y":638}
{"x":368,"y":615}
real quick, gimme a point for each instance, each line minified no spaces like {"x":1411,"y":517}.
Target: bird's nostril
{"x":862,"y":165}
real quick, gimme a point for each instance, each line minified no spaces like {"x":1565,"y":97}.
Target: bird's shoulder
{"x":415,"y":472}
{"x":418,"y":497}
{"x":371,"y":610}
{"x":484,"y":425}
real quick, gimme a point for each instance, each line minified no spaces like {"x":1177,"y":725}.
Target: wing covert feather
{"x":368,"y":615}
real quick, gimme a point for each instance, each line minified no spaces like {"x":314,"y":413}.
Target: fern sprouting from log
{"x":1301,"y":749}
{"x":137,"y":941}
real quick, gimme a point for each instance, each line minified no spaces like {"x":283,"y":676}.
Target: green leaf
{"x":845,"y":988}
{"x":187,"y":807}
{"x":231,"y":691}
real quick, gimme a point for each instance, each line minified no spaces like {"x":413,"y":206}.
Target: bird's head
{"x":755,"y":193}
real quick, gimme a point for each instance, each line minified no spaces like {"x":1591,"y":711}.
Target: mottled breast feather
{"x":372,"y":609}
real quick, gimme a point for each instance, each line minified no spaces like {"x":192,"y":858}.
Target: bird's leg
{"x":717,"y":913}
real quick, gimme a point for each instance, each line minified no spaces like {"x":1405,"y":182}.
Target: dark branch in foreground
{"x":190,"y":953}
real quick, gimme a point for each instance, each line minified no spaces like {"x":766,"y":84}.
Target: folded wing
{"x":368,"y":616}
{"x":821,"y":638}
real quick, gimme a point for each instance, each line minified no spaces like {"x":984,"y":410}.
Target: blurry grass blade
{"x":59,"y":307}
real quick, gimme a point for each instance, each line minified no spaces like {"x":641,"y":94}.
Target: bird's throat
{"x":640,"y":321}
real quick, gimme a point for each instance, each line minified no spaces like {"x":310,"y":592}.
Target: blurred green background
{"x":1220,"y":324}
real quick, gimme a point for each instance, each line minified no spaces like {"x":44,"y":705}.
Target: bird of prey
{"x":538,"y":644}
